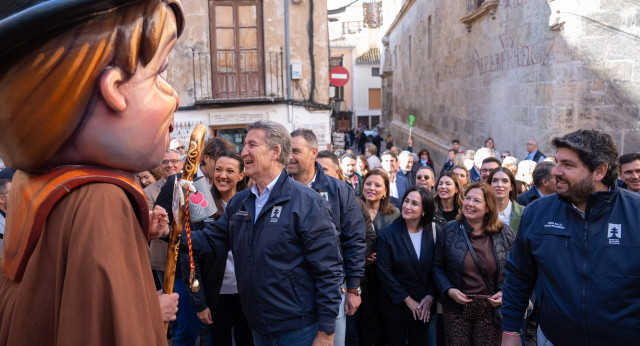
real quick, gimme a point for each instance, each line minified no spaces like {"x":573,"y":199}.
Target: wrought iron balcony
{"x":233,"y":77}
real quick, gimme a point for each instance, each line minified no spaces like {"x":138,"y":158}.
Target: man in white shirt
{"x":397,"y":184}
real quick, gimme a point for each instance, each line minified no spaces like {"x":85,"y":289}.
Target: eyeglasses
{"x":486,"y":170}
{"x":421,"y":177}
{"x":180,"y":148}
{"x":167,"y":162}
{"x":503,"y":156}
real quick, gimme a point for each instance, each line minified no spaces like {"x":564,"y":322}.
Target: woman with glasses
{"x":489,"y":143}
{"x":425,"y":159}
{"x":468,"y":269}
{"x":503,"y":183}
{"x":425,"y":178}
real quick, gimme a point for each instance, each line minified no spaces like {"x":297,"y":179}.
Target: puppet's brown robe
{"x":88,"y":281}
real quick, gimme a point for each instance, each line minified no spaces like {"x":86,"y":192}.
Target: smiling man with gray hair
{"x":285,"y":247}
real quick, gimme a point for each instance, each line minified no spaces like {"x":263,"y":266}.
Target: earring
{"x":385,"y":196}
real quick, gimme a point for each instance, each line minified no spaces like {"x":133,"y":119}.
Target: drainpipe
{"x":287,"y":57}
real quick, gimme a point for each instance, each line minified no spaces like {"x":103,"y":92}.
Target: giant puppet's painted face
{"x":150,"y":104}
{"x":105,"y":101}
{"x":129,"y":129}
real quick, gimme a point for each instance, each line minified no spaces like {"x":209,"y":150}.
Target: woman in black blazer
{"x":405,"y":255}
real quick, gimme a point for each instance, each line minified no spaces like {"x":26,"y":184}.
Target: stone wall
{"x":539,"y":69}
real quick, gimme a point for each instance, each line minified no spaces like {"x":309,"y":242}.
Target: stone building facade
{"x":244,"y":60}
{"x":512,"y":70}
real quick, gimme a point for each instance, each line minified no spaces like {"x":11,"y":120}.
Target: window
{"x":375,"y":71}
{"x":335,"y":60}
{"x":351,"y":27}
{"x":236,"y":48}
{"x":477,"y":9}
{"x":375,"y":102}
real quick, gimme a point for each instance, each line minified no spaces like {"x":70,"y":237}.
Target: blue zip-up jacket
{"x":288,"y":264}
{"x":347,"y":217}
{"x":586,"y":272}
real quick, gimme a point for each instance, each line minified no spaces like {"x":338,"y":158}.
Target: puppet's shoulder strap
{"x":32,"y":198}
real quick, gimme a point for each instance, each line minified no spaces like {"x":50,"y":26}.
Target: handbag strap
{"x":475,"y":260}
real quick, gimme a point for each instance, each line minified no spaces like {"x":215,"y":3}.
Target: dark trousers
{"x":474,"y":326}
{"x":351,"y":337}
{"x":371,"y":324}
{"x":227,"y":315}
{"x":399,"y":332}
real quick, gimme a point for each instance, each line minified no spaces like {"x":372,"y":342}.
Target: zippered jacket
{"x":586,"y":271}
{"x":347,"y":217}
{"x":451,"y":250}
{"x":288,"y":264}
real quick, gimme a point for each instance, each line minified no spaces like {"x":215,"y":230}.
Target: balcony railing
{"x":231,"y":77}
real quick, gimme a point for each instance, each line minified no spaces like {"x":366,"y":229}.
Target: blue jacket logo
{"x":275,"y":213}
{"x":614,"y":233}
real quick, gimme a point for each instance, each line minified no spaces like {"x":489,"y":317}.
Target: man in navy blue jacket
{"x":347,"y":218}
{"x":285,"y":247}
{"x":579,"y":249}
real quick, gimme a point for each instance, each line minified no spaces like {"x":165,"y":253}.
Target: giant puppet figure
{"x":84,"y":106}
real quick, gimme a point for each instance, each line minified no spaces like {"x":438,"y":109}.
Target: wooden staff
{"x":196,"y":144}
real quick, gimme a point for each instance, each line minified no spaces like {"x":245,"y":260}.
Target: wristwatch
{"x":356,"y":291}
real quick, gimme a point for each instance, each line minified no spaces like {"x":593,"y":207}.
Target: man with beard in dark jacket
{"x":346,"y":217}
{"x":285,"y":247}
{"x":578,"y":248}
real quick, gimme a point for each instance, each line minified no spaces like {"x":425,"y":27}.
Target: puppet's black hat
{"x":24,"y":20}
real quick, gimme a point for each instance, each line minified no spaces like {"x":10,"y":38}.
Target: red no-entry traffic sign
{"x":338,"y":76}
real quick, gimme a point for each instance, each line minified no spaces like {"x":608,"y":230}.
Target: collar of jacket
{"x":321,"y":178}
{"x":599,"y":202}
{"x":534,"y":189}
{"x":281,"y":192}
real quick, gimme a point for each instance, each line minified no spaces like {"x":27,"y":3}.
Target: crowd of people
{"x":294,"y":246}
{"x":311,"y":246}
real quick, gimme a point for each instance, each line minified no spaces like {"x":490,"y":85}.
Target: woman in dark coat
{"x":405,"y":255}
{"x":470,"y":286}
{"x":376,"y":195}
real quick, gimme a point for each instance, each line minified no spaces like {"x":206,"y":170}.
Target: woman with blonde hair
{"x":469,"y":270}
